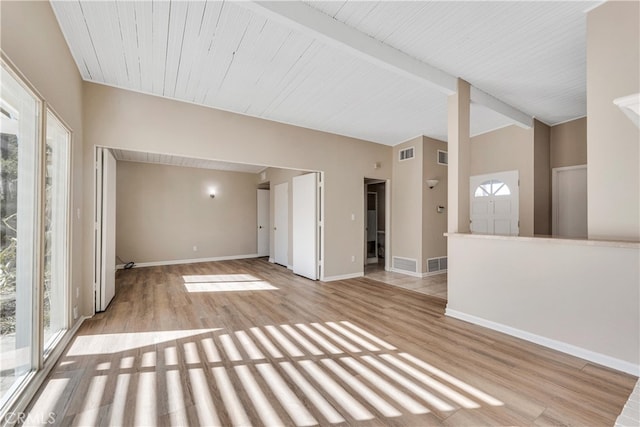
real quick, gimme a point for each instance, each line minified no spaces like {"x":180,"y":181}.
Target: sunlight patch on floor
{"x":333,"y":372}
{"x":115,"y":343}
{"x":226,"y":283}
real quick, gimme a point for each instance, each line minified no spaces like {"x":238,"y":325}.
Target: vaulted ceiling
{"x":380,"y":71}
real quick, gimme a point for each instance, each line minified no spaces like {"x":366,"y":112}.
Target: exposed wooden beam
{"x":318,"y":25}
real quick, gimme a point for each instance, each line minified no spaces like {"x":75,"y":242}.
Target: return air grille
{"x":406,"y":154}
{"x":437,"y":264}
{"x":443,"y":157}
{"x":405,"y":264}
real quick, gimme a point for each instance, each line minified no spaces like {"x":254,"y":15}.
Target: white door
{"x":281,"y":224}
{"x":494,"y":203}
{"x":305,"y":225}
{"x":105,"y":245}
{"x":263,"y":222}
{"x":570,"y":201}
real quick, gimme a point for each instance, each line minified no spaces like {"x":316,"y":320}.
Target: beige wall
{"x":542,"y":179}
{"x":162,"y":212}
{"x":434,"y":224}
{"x":569,"y":144}
{"x":507,"y":149}
{"x":406,"y":203}
{"x":275,"y":176}
{"x":551,"y":291}
{"x":32,"y":40}
{"x":613,"y":141}
{"x":123,"y":119}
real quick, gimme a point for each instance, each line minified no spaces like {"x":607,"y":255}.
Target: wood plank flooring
{"x":282,"y":350}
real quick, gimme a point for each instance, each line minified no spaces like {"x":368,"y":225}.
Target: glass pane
{"x":56,"y":202}
{"x":480,"y":192}
{"x":18,"y":170}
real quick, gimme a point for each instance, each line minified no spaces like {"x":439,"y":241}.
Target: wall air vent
{"x":405,"y":264}
{"x":443,"y":157}
{"x":406,"y":154}
{"x":437,"y":265}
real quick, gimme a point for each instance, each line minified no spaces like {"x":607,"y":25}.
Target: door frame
{"x":102,"y":237}
{"x":387,"y":221}
{"x":554,"y":193}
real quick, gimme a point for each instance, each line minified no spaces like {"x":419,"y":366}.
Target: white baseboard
{"x":561,"y":346}
{"x":272,"y":261}
{"x":188,"y":261}
{"x":24,"y":395}
{"x":434,"y":273}
{"x":415,"y":274}
{"x":342,"y":277}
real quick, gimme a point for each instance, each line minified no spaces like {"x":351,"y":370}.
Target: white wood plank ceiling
{"x":230,"y":56}
{"x":188,"y":162}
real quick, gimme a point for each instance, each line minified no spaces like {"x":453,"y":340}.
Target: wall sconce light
{"x":432,"y":183}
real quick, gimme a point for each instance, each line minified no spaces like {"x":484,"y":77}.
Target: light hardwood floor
{"x":247,"y":342}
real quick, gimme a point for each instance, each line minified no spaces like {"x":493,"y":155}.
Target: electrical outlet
{"x":195,"y":248}
{"x":75,"y":312}
{"x":77,"y":292}
{"x":353,"y":258}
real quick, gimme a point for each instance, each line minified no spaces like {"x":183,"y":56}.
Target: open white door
{"x":570,"y":201}
{"x":263,"y":222}
{"x":281,"y":224}
{"x":494,"y":203}
{"x":305,"y":225}
{"x":105,"y":236}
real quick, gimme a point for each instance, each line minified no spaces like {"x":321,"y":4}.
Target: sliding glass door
{"x":34,"y":228}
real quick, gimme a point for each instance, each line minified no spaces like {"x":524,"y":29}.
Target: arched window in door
{"x":492,"y":187}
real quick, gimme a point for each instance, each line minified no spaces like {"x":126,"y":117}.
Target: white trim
{"x":343,"y":277}
{"x":31,"y":384}
{"x":271,"y":260}
{"x":189,"y":261}
{"x":568,"y":120}
{"x":418,"y":275}
{"x":595,"y":6}
{"x":583,"y":353}
{"x":434,"y":273}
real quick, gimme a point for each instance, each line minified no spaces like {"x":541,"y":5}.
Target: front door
{"x":494,"y":203}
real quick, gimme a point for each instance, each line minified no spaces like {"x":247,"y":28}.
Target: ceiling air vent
{"x":443,"y":157}
{"x":406,"y":154}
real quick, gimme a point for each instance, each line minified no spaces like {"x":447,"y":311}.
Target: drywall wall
{"x":406,"y":202}
{"x":163,"y":212}
{"x":434,"y":224}
{"x":31,"y":39}
{"x":123,"y":119}
{"x":507,"y":149}
{"x":541,"y":179}
{"x":613,"y":141}
{"x":569,"y":144}
{"x":551,"y":291}
{"x":275,"y":176}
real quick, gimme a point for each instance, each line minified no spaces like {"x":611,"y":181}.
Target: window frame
{"x":22,"y":391}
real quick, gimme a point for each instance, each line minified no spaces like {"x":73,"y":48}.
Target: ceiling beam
{"x":318,"y":25}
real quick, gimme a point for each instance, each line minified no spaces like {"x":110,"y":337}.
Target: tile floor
{"x":433,"y":285}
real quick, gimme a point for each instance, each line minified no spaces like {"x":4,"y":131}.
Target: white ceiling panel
{"x":188,"y":162}
{"x":236,"y":57}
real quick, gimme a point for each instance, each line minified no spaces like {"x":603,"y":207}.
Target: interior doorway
{"x":569,"y":192}
{"x":376,"y":225}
